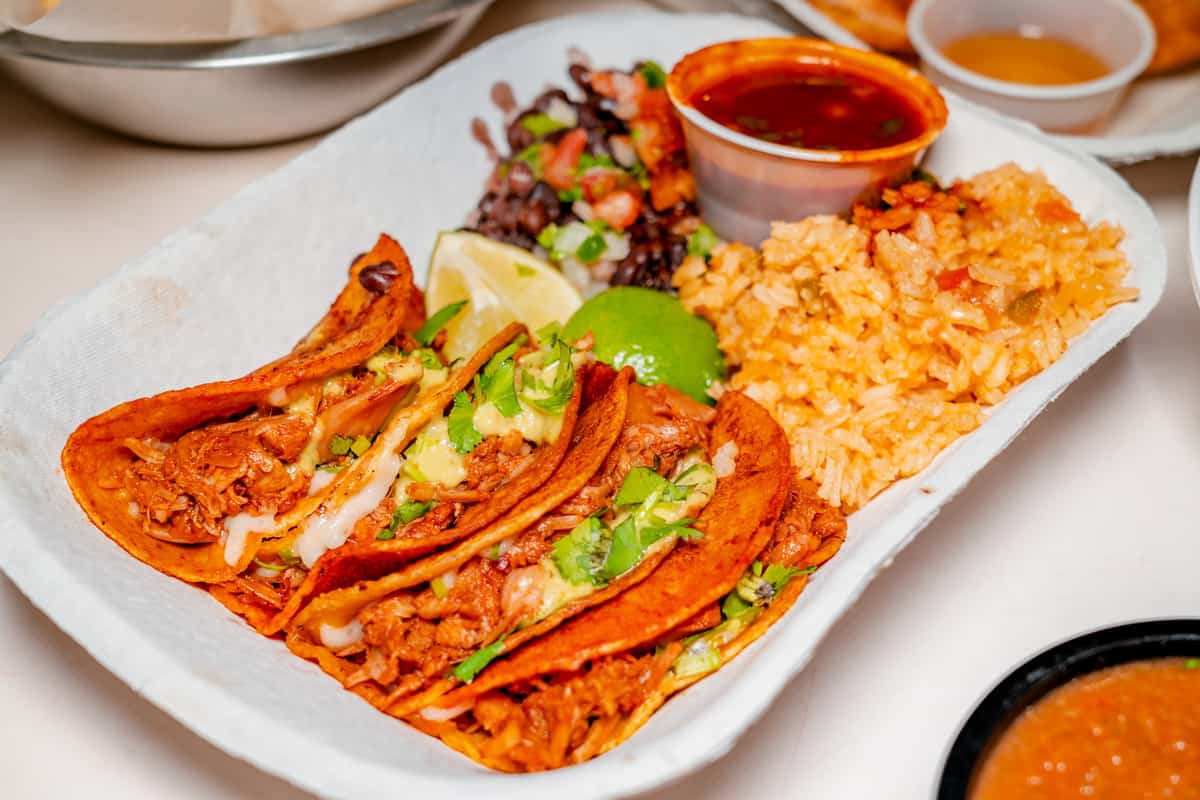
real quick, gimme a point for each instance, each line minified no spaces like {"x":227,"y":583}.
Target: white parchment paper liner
{"x":238,"y":286}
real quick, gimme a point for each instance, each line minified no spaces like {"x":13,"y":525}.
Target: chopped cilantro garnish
{"x":1192,"y":663}
{"x":548,"y":235}
{"x":542,"y":124}
{"x":757,"y":568}
{"x":624,"y":552}
{"x":360,"y":445}
{"x":405,"y":513}
{"x":702,"y":241}
{"x":553,"y":398}
{"x":591,"y":249}
{"x":503,"y":355}
{"x":581,"y":554}
{"x":700,"y":657}
{"x":477,"y":661}
{"x":340,"y":445}
{"x":587,"y":161}
{"x":435,"y":323}
{"x":440,"y":589}
{"x":683,"y":529}
{"x":461,"y":425}
{"x":656,"y":76}
{"x":549,"y":332}
{"x":778,"y":575}
{"x":501,"y":389}
{"x":734,"y":606}
{"x":429,"y":359}
{"x":570,"y":195}
{"x":498,"y":379}
{"x":641,"y":482}
{"x":598,"y":225}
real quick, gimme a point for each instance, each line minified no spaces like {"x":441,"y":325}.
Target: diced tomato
{"x":559,"y":168}
{"x":952,"y":278}
{"x":598,"y":182}
{"x":620,"y":209}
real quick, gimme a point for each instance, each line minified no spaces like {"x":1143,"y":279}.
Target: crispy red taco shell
{"x":815,"y":536}
{"x":358,"y":324}
{"x":736,"y":523}
{"x":599,"y":425}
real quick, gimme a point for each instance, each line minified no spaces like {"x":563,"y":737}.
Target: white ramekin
{"x":1117,"y":31}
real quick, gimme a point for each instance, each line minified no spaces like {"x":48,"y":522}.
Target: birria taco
{"x":336,"y":462}
{"x":586,"y":687}
{"x":635,"y":485}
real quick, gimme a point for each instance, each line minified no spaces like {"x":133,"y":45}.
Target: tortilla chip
{"x":597,"y":430}
{"x":357,"y":326}
{"x":737,"y":523}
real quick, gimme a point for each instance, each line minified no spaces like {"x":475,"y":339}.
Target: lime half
{"x":501,"y":283}
{"x":651,"y":332}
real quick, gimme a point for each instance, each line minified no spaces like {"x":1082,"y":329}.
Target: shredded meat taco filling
{"x":652,"y":483}
{"x":569,"y":717}
{"x":264,"y":462}
{"x":492,"y":434}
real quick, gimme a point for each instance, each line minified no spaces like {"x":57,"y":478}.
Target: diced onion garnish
{"x":618,"y":245}
{"x":725,"y":459}
{"x":435,"y":714}
{"x":560,"y":110}
{"x":622,"y":150}
{"x":443,"y":583}
{"x":335,"y":637}
{"x":583,"y":210}
{"x":700,"y":657}
{"x":320,"y":479}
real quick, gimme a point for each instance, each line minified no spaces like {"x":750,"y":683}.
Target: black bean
{"x":597,"y":143}
{"x":545,"y":194}
{"x":519,"y":137}
{"x":581,"y":75}
{"x":677,"y":249}
{"x":543,"y":100}
{"x":520,"y":178}
{"x":533,"y":218}
{"x":378,"y":278}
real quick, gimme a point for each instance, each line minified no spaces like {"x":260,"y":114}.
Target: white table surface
{"x":1091,"y":518}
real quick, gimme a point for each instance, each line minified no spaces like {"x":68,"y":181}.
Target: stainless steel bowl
{"x":243,"y":93}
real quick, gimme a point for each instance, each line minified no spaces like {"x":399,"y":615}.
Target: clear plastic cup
{"x":1117,"y":31}
{"x":744,"y":184}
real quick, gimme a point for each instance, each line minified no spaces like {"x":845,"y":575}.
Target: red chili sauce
{"x":812,"y":106}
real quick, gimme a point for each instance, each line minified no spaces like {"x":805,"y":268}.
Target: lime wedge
{"x":500,"y":283}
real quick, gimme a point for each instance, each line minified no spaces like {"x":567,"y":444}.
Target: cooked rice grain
{"x":870,"y":343}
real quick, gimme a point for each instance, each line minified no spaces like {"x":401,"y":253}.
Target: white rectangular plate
{"x":239,"y":286}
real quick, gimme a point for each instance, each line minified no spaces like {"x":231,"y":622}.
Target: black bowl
{"x":1050,"y":669}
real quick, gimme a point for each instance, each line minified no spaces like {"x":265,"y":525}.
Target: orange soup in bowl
{"x":1128,"y":731}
